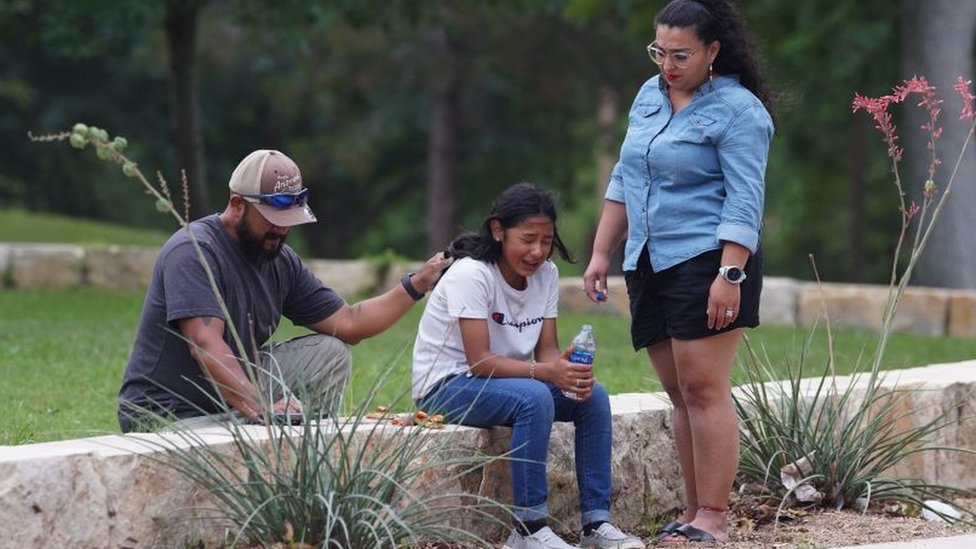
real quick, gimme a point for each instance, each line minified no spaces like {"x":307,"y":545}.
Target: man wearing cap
{"x":186,"y":361}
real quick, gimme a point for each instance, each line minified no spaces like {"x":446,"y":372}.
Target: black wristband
{"x":408,"y":286}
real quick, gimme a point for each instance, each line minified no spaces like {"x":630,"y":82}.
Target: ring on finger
{"x":729,"y":313}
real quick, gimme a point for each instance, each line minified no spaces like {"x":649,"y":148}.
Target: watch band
{"x":408,"y":286}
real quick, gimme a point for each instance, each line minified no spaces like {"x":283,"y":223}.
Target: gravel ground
{"x":752,"y":529}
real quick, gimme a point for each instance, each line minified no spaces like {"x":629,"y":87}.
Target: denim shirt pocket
{"x":697,"y":129}
{"x":644,"y":110}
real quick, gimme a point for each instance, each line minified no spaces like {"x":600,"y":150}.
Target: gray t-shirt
{"x":161,"y":375}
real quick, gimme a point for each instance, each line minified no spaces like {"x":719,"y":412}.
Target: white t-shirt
{"x":476,"y":289}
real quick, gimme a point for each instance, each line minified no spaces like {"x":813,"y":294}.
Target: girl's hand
{"x":572,"y":377}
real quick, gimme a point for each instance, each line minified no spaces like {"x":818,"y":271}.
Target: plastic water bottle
{"x":584,"y":349}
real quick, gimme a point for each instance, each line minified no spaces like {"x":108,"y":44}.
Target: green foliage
{"x":849,"y":435}
{"x":827,"y":185}
{"x":350,"y":483}
{"x":343,"y":87}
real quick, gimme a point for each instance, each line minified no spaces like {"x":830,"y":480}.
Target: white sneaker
{"x":608,"y":536}
{"x":543,"y":539}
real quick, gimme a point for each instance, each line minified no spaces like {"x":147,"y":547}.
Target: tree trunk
{"x":938,"y":42}
{"x":442,"y":147}
{"x":181,"y":41}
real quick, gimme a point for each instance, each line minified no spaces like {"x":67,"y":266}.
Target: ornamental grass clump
{"x":832,"y":442}
{"x":336,"y":483}
{"x":349,"y":483}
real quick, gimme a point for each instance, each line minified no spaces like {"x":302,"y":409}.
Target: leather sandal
{"x":668,"y":529}
{"x":689,"y":533}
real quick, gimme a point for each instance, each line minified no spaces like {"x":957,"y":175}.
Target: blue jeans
{"x":529,"y":407}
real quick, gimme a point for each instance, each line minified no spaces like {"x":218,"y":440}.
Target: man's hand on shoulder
{"x":426,"y":278}
{"x":352,"y":323}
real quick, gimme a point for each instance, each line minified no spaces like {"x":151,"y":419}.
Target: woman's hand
{"x":595,"y":277}
{"x":610,"y":232}
{"x":723,"y":303}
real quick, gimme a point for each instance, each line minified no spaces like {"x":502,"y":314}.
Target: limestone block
{"x":53,"y":502}
{"x":943,"y":398}
{"x":572,"y":298}
{"x":107,"y":492}
{"x":646,"y":475}
{"x":921,"y":311}
{"x":778,"y":304}
{"x":488,"y":480}
{"x":350,"y":278}
{"x":152,"y":505}
{"x":120,"y":267}
{"x":47,"y":266}
{"x":962,"y":314}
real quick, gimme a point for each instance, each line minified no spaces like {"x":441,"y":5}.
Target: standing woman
{"x":486,"y":354}
{"x":687,"y":195}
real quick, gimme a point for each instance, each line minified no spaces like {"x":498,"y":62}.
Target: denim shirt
{"x":693,"y":179}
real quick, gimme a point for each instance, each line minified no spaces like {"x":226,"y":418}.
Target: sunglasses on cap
{"x":280,"y":201}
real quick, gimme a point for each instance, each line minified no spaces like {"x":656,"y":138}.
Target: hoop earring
{"x":709,"y":72}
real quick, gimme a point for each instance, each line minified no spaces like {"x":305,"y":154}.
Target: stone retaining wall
{"x":927,"y":311}
{"x":113,"y":491}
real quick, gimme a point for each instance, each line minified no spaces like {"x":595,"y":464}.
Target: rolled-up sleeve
{"x":615,"y":187}
{"x":743,"y":152}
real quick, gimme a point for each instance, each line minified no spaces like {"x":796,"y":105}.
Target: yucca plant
{"x":845,"y":440}
{"x":848,"y":438}
{"x":335,"y":482}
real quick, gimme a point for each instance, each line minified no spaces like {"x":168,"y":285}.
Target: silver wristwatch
{"x":733,"y":274}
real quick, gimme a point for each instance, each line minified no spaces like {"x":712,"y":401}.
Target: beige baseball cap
{"x":265,"y":173}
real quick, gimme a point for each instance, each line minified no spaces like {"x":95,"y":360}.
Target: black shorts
{"x":673,"y":302}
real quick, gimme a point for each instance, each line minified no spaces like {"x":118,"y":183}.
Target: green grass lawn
{"x":22,"y":226}
{"x":62,"y":354}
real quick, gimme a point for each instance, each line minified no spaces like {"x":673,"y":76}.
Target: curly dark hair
{"x":720,"y":20}
{"x":514,"y":205}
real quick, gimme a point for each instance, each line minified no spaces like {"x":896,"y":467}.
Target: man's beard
{"x":253,"y":245}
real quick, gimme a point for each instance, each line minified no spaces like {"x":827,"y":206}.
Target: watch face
{"x":733,"y":274}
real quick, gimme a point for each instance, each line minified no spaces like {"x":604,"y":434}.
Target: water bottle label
{"x":581,"y":357}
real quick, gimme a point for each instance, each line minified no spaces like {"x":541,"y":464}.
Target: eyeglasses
{"x":280,"y":201}
{"x":680,"y":58}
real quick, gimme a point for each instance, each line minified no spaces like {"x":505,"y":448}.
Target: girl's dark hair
{"x":720,"y":20}
{"x":516,"y":204}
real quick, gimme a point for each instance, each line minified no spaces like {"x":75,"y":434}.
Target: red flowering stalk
{"x":962,"y":86}
{"x":926,"y":214}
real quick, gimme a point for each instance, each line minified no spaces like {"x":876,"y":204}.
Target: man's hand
{"x":427,"y":277}
{"x":288,"y":404}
